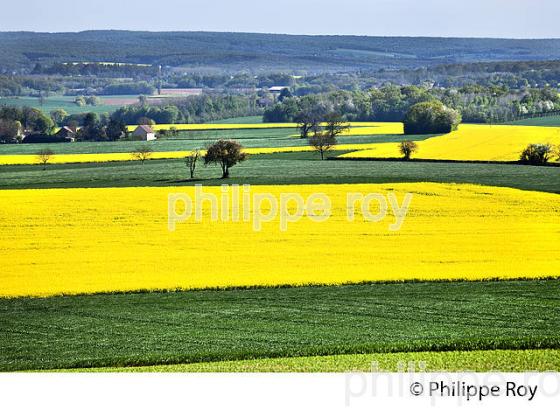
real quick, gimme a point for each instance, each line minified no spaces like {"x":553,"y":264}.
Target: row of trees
{"x":477,"y":104}
{"x":195,"y":109}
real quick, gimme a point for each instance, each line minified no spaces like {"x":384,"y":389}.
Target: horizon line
{"x":278,"y":34}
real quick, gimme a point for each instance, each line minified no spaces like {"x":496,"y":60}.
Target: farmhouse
{"x":277,"y":89}
{"x":67,"y":133}
{"x":144,"y":133}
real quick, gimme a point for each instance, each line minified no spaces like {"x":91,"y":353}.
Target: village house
{"x":68,"y":133}
{"x":144,"y":133}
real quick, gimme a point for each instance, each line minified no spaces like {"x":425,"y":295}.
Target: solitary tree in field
{"x":536,"y":154}
{"x":322,"y":142}
{"x":191,"y":161}
{"x":142,"y":153}
{"x":407,"y":148}
{"x":44,"y":156}
{"x":557,"y":152}
{"x":226,"y":153}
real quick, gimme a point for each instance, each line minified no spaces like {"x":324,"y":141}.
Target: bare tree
{"x":322,"y":142}
{"x":142,"y":153}
{"x":191,"y":161}
{"x":335,"y":125}
{"x":407,"y":148}
{"x":226,"y":153}
{"x":307,"y":121}
{"x":44,"y":156}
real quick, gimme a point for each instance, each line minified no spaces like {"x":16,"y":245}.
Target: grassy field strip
{"x":27,"y":159}
{"x":458,"y":361}
{"x":117,"y":239}
{"x":115,"y":330}
{"x":552,"y":121}
{"x":471,"y":143}
{"x":278,"y":169}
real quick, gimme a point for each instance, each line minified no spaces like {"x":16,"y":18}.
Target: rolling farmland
{"x":91,"y":262}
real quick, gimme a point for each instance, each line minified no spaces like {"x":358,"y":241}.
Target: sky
{"x":441,"y":18}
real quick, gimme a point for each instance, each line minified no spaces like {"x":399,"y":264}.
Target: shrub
{"x":536,"y":154}
{"x":407,"y":148}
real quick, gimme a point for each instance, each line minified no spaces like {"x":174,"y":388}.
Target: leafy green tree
{"x":10,"y":130}
{"x":93,"y":100}
{"x":431,"y":118}
{"x":80,"y":101}
{"x":115,"y":129}
{"x":225,"y":153}
{"x":35,"y":120}
{"x":91,"y":119}
{"x":58,"y":116}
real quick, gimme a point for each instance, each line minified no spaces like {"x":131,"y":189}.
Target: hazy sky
{"x":465,"y":18}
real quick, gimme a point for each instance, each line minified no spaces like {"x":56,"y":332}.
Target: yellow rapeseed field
{"x":216,"y":127}
{"x":375,"y":128}
{"x":472,"y":143}
{"x":117,"y":239}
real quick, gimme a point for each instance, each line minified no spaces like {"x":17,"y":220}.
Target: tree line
{"x":476,"y":104}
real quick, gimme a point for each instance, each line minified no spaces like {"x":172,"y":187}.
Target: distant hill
{"x":256,"y":52}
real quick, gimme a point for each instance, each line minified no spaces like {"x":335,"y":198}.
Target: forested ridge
{"x":260,"y":51}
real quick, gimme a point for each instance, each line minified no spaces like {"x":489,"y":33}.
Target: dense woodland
{"x":234,"y":52}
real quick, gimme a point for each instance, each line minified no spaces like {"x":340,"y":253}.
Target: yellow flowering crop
{"x":117,"y":239}
{"x":472,"y":143}
{"x":375,"y":128}
{"x":256,"y":126}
